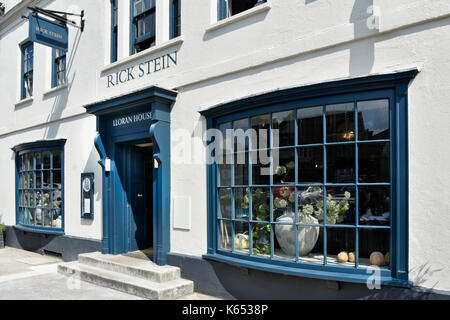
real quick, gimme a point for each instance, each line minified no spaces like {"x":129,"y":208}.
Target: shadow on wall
{"x":60,"y":102}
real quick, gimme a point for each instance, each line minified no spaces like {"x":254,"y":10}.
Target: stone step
{"x":132,"y":285}
{"x":130,"y":266}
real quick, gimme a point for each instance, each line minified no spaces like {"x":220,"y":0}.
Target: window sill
{"x":55,"y":89}
{"x":58,"y":232}
{"x":240,"y":16}
{"x":24,"y":101}
{"x":307,"y":273}
{"x":149,"y":51}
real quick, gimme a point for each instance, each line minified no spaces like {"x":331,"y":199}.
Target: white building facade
{"x":350,"y":97}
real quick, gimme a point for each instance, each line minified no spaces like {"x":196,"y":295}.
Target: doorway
{"x":134,"y":161}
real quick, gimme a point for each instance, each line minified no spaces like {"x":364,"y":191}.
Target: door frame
{"x":158,"y":101}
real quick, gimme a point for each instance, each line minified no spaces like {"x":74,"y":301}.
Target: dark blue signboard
{"x":48,"y":32}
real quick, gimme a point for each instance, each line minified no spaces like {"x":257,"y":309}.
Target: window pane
{"x":31,"y":216}
{"x":30,"y":165}
{"x":260,"y":167}
{"x":310,"y":244}
{"x":240,"y":131}
{"x":310,"y":205}
{"x":310,"y":165}
{"x":224,"y":174}
{"x":374,"y":206}
{"x":241,"y":237}
{"x":285,"y":234}
{"x":46,"y":183}
{"x":340,"y":122}
{"x":46,"y":159}
{"x":373,"y":120}
{"x":340,"y":205}
{"x":261,"y":127}
{"x":227,"y":140}
{"x":241,"y":169}
{"x":283,"y":201}
{"x":374,"y":162}
{"x":374,"y":248}
{"x":46,"y":199}
{"x":38,"y":160}
{"x":341,"y":246}
{"x":310,"y":125}
{"x":39,"y":216}
{"x":341,"y":163}
{"x":57,"y":179}
{"x":225,"y":235}
{"x":57,"y":218}
{"x":261,"y":239}
{"x":284,"y":122}
{"x":261,"y":204}
{"x":225,"y":203}
{"x":241,"y":203}
{"x":284,"y":162}
{"x":57,"y":199}
{"x":47,"y":218}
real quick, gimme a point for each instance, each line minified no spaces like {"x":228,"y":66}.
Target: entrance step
{"x":129,"y":275}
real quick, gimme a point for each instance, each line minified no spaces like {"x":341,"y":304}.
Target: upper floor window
{"x":228,"y":8}
{"x":27,"y":70}
{"x":39,"y":186}
{"x":175,"y":12}
{"x":143,"y":26}
{"x":59,"y":68}
{"x":114,"y":30}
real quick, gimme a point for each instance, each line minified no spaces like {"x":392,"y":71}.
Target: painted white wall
{"x":294,"y":43}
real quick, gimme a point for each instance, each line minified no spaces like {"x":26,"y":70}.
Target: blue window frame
{"x":40,"y":186}
{"x":175,"y":18}
{"x":228,"y":8}
{"x":339,"y":183}
{"x":27,"y":50}
{"x":143,"y":25}
{"x":58,"y":67}
{"x":114,"y":30}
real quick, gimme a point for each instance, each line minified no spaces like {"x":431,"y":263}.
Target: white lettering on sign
{"x":132,"y":119}
{"x":50,"y":33}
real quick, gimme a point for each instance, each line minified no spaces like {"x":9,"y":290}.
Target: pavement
{"x":27,"y":275}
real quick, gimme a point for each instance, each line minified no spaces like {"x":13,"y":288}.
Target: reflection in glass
{"x":46,"y":183}
{"x":341,"y":163}
{"x":46,"y":159}
{"x":241,"y":203}
{"x":284,"y":122}
{"x":374,"y":162}
{"x":341,"y":247}
{"x":374,"y":206}
{"x":225,"y":203}
{"x":310,"y":125}
{"x":38,"y":161}
{"x":310,"y":166}
{"x":240,"y":132}
{"x":373,"y":120}
{"x":261,"y":239}
{"x":340,"y":122}
{"x":260,"y":170}
{"x":285,"y":172}
{"x":261,"y":127}
{"x":56,"y":179}
{"x":56,"y":159}
{"x":224,"y":174}
{"x":374,"y":247}
{"x":227,"y":139}
{"x":225,"y":235}
{"x":261,"y":204}
{"x":241,"y":169}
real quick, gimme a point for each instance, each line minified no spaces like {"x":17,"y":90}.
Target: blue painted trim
{"x":55,"y":68}
{"x":393,"y":87}
{"x":42,"y":230}
{"x":24,"y":47}
{"x":174,"y":5}
{"x":221,"y":9}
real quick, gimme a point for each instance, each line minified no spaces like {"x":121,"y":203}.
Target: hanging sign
{"x":48,"y":32}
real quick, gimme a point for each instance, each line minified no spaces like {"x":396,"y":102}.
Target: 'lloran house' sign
{"x":46,"y":32}
{"x":142,"y":69}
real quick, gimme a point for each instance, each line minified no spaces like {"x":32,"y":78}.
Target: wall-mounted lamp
{"x":107,"y":165}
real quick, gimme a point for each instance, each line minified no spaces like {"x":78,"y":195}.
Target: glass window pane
{"x":310,"y":237}
{"x":30,"y":165}
{"x":57,"y":218}
{"x":284,"y":162}
{"x":310,"y":165}
{"x":227,"y":139}
{"x":261,"y":204}
{"x":47,"y":218}
{"x":241,"y":138}
{"x":39,"y":216}
{"x":241,"y":203}
{"x":285,"y":234}
{"x":284,"y":123}
{"x":39,"y":199}
{"x":46,"y":182}
{"x":283,"y":201}
{"x":57,"y":199}
{"x":38,"y":179}
{"x":225,"y":203}
{"x":341,"y":163}
{"x":241,"y":237}
{"x":46,"y":159}
{"x":261,"y":127}
{"x":310,"y":205}
{"x":260,"y":167}
{"x":57,"y":182}
{"x":341,"y":247}
{"x":373,"y":120}
{"x":225,"y":235}
{"x":31,"y":216}
{"x":374,"y":206}
{"x":261,"y":239}
{"x":310,"y":125}
{"x":340,"y":122}
{"x":374,"y":162}
{"x":38,"y":160}
{"x":341,"y":205}
{"x":46,"y":199}
{"x":241,"y":169}
{"x":224,"y":174}
{"x":374,"y":248}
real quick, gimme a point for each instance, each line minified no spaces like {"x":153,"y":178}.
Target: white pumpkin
{"x":241,"y":241}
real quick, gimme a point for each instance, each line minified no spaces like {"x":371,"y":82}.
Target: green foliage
{"x":2,"y":227}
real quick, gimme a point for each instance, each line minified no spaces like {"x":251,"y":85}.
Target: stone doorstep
{"x":134,"y":267}
{"x":132,"y":285}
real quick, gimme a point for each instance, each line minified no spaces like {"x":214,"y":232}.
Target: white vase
{"x":306,"y":238}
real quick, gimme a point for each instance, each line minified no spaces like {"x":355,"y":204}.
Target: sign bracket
{"x":55,"y":15}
